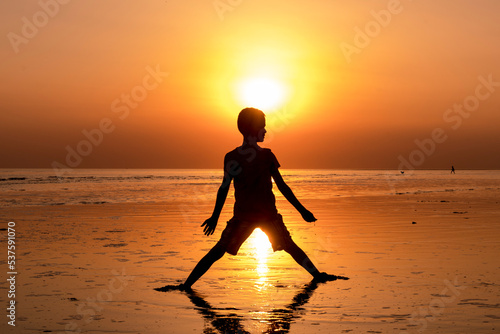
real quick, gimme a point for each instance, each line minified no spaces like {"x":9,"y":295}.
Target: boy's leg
{"x":280,"y":239}
{"x":301,"y":258}
{"x":216,"y":253}
{"x":235,"y":233}
{"x":298,"y":255}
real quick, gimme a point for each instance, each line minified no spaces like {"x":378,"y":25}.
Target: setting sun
{"x":262,"y":92}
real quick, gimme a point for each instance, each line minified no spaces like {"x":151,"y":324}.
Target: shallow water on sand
{"x":93,"y":266}
{"x":27,"y":187}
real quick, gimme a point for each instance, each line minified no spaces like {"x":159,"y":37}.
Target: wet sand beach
{"x":417,"y":262}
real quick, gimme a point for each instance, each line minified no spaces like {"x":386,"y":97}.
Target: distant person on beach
{"x":452,"y":170}
{"x":253,"y":168}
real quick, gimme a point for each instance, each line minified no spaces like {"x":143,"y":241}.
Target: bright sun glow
{"x":262,"y":92}
{"x":262,"y":249}
{"x":261,"y":244}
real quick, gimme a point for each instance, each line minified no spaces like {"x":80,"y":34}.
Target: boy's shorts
{"x":237,"y":231}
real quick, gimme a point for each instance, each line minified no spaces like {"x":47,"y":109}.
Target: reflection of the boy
{"x":279,"y":320}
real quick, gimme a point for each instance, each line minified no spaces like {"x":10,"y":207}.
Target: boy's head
{"x":251,"y":122}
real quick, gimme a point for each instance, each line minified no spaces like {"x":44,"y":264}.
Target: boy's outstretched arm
{"x":290,"y":196}
{"x":211,"y":223}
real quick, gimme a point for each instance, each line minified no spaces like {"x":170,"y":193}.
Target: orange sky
{"x":153,"y":84}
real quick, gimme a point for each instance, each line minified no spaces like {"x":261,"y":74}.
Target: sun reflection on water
{"x":261,"y":249}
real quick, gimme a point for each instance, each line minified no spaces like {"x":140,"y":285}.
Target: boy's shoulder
{"x":244,"y":151}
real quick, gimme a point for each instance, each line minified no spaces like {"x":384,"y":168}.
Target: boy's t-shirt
{"x":251,"y":169}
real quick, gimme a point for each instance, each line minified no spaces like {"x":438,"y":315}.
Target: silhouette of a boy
{"x":252,"y":167}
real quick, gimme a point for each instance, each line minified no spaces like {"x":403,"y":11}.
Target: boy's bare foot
{"x":179,"y":287}
{"x":185,"y":288}
{"x":324,"y":277}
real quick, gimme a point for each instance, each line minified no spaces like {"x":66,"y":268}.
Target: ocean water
{"x":77,"y":231}
{"x":28,"y":187}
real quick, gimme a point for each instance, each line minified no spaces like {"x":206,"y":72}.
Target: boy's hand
{"x":308,"y":216}
{"x":210,"y":225}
